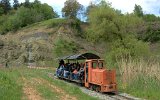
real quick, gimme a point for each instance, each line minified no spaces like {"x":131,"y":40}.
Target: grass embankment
{"x":9,"y":89}
{"x":140,"y":78}
{"x":34,"y":84}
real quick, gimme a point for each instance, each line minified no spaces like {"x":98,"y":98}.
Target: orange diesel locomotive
{"x":94,"y":76}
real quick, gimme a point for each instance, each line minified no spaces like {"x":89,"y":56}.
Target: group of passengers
{"x":74,"y":71}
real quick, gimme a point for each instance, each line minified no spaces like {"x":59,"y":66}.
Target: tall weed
{"x":140,"y":77}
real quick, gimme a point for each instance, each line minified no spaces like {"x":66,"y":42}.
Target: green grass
{"x":64,"y":47}
{"x":46,"y":92}
{"x":11,"y":84}
{"x":148,"y":88}
{"x":9,"y":88}
{"x":48,"y":23}
{"x":71,"y":89}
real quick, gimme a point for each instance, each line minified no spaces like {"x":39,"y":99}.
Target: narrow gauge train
{"x":91,"y":73}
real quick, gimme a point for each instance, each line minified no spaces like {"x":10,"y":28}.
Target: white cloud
{"x":84,"y":2}
{"x":149,"y":6}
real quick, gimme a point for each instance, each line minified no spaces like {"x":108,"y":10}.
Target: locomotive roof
{"x":95,"y":59}
{"x":81,"y":56}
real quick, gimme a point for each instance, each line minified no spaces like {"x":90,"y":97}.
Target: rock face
{"x":30,"y":49}
{"x":1,"y":44}
{"x":11,"y":53}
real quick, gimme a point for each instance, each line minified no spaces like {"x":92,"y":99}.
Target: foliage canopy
{"x":25,"y":15}
{"x":71,"y":9}
{"x":117,"y":30}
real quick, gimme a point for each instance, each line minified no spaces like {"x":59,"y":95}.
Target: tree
{"x":6,"y":5}
{"x":91,"y":5}
{"x":1,"y":10}
{"x":107,"y":24}
{"x":71,"y":8}
{"x":150,"y":18}
{"x":27,"y":3}
{"x":44,"y":10}
{"x":24,"y":16}
{"x":15,"y":4}
{"x":116,"y":29}
{"x":138,"y":10}
{"x":37,"y":2}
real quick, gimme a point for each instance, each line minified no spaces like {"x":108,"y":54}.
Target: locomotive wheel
{"x":98,"y":89}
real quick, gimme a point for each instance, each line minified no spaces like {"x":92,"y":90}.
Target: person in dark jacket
{"x":60,"y":68}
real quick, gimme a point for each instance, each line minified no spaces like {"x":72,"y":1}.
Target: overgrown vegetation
{"x":26,"y":14}
{"x":140,"y":77}
{"x":117,"y":30}
{"x":132,"y":48}
{"x":150,"y":35}
{"x":64,"y":47}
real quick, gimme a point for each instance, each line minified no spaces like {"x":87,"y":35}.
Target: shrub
{"x":63,"y":47}
{"x":57,"y":22}
{"x":152,"y":36}
{"x":151,"y":18}
{"x":3,"y":19}
{"x":126,"y":48}
{"x":24,"y":16}
{"x":45,"y":10}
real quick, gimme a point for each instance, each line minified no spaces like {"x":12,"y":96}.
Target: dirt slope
{"x":34,"y":44}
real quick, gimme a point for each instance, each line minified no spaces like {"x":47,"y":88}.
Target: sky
{"x":148,"y":6}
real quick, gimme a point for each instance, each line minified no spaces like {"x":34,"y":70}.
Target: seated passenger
{"x":75,"y":74}
{"x":66,"y":71}
{"x":78,"y":66}
{"x":81,"y":73}
{"x":60,"y":70}
{"x":81,"y":69}
{"x":66,"y":74}
{"x":72,"y":67}
{"x":75,"y":71}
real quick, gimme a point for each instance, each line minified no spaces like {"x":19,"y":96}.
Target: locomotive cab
{"x":98,"y":78}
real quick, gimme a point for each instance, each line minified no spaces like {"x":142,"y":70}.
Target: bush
{"x":25,"y":16}
{"x":75,"y":24}
{"x":152,"y":36}
{"x":44,"y":10}
{"x":57,"y":22}
{"x":63,"y":47}
{"x":3,"y":19}
{"x":151,"y":18}
{"x":126,"y":48}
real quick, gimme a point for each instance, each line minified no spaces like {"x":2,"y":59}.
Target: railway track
{"x":120,"y":97}
{"x":106,"y":96}
{"x":101,"y":96}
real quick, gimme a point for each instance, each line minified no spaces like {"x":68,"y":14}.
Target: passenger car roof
{"x":81,"y":56}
